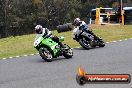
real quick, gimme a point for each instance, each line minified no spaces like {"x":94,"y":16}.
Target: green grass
{"x":111,"y":33}
{"x":20,"y":45}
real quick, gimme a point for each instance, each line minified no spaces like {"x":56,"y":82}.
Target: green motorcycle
{"x":49,"y":49}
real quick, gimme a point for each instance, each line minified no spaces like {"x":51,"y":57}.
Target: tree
{"x":19,"y":17}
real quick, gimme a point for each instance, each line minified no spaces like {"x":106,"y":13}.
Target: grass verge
{"x":20,"y":45}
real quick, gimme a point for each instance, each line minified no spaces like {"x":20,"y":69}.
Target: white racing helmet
{"x":76,"y":21}
{"x":39,"y":29}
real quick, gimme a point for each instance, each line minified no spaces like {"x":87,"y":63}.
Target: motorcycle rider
{"x":46,"y":33}
{"x":83,"y":26}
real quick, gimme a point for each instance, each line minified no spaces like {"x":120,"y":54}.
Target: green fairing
{"x":51,"y":44}
{"x":61,"y":38}
{"x":41,"y":42}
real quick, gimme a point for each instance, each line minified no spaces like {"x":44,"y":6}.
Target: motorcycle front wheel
{"x":85,"y":43}
{"x":45,"y":54}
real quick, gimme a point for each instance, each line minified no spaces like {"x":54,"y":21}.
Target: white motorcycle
{"x":86,"y":40}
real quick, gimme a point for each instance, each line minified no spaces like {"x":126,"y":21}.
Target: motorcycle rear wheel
{"x":67,"y":53}
{"x":101,"y":44}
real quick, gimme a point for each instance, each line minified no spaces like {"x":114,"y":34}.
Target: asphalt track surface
{"x":33,"y":72}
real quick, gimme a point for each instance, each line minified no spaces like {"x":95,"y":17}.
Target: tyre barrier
{"x":64,"y":27}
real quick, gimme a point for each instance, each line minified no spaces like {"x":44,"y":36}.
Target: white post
{"x":90,"y":21}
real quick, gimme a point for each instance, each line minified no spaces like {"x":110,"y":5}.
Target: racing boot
{"x":61,"y":45}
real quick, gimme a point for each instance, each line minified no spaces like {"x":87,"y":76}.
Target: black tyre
{"x":101,"y":44}
{"x":84,"y":43}
{"x":45,"y":54}
{"x":64,"y":27}
{"x":67,"y":52}
{"x":81,"y":80}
